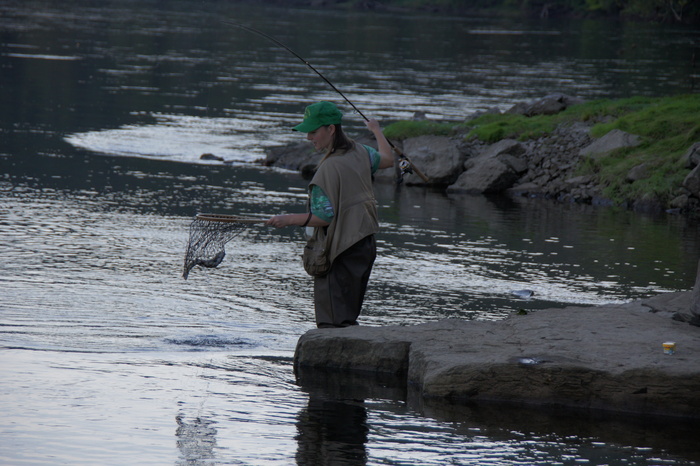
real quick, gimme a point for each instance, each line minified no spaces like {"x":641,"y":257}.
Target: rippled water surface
{"x":107,"y":356}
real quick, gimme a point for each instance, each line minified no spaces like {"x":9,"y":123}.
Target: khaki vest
{"x":346,"y":178}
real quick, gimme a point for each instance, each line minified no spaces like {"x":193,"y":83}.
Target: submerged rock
{"x":523,"y":293}
{"x":211,"y":157}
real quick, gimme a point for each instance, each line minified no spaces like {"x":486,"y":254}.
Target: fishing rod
{"x":405,"y":165}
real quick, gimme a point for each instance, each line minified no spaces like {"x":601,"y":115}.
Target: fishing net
{"x":209,"y":233}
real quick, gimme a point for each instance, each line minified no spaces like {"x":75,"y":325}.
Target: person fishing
{"x":342,"y":211}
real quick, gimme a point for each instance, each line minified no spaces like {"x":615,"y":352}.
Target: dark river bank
{"x":108,"y":357}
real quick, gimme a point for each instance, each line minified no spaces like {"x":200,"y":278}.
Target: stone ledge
{"x":606,"y":358}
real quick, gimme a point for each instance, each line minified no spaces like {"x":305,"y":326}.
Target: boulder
{"x":692,"y":156}
{"x":638,"y":172}
{"x":292,"y":157}
{"x":548,"y":105}
{"x":614,"y":140}
{"x":507,"y":151}
{"x":579,"y":181}
{"x":679,"y":202}
{"x":438,"y":157}
{"x":486,"y":175}
{"x":692,"y":181}
{"x":496,"y":168}
{"x":503,"y":147}
{"x":518,"y":165}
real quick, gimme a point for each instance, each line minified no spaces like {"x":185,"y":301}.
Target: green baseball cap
{"x":317,"y":115}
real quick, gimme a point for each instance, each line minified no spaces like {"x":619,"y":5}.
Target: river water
{"x":107,"y":356}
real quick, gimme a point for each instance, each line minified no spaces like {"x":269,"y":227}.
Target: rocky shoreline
{"x":541,"y":168}
{"x":541,"y":10}
{"x":604,"y":359}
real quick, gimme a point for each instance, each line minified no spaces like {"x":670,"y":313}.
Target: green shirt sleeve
{"x":320,"y":204}
{"x":374,"y":157}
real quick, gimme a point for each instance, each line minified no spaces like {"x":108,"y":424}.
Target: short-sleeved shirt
{"x":321,"y":205}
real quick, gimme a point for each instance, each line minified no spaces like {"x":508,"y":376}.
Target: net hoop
{"x":229,"y":218}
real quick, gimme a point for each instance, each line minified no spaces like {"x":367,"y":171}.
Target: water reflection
{"x":366,"y":419}
{"x":332,"y":432}
{"x":593,"y":437}
{"x":333,"y":428}
{"x":196,"y":440}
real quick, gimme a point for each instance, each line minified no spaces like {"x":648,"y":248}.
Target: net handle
{"x":229,"y":218}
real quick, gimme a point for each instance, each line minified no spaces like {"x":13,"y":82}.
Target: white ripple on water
{"x":181,"y":138}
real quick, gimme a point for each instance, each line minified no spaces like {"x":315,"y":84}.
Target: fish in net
{"x":209,"y":234}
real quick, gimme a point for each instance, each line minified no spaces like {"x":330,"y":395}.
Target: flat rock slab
{"x":604,"y":358}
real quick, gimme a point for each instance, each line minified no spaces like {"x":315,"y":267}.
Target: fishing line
{"x":272,"y":39}
{"x":405,"y":164}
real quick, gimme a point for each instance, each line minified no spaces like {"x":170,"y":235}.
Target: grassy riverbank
{"x":667,"y":11}
{"x":668,"y":126}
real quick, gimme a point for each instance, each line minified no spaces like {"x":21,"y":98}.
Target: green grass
{"x":492,"y":128}
{"x":411,"y":129}
{"x":668,"y":126}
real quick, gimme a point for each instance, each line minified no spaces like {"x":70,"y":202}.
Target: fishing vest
{"x":346,"y":178}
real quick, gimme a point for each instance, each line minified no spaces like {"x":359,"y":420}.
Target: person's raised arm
{"x":383,"y":145}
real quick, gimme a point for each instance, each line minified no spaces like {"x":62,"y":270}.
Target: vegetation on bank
{"x":648,"y":10}
{"x":669,"y":11}
{"x":667,"y":126}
